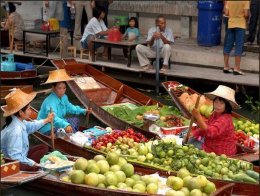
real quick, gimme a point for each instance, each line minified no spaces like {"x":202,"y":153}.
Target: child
{"x":15,"y":133}
{"x":219,"y":131}
{"x":59,"y":103}
{"x":132,"y":32}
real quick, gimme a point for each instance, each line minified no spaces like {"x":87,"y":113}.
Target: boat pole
{"x":157,"y":76}
{"x":186,"y":138}
{"x":52,"y":132}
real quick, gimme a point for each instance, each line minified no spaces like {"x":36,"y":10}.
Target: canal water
{"x":162,"y":97}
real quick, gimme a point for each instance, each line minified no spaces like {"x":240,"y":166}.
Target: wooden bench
{"x":73,"y":51}
{"x":84,"y":52}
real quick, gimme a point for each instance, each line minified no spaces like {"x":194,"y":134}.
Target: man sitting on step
{"x":165,"y":37}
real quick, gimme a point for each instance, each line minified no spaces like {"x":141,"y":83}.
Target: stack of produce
{"x":166,"y":154}
{"x":2,"y":161}
{"x":114,"y":172}
{"x":250,"y":128}
{"x":169,"y":116}
{"x":244,"y":139}
{"x":118,"y":136}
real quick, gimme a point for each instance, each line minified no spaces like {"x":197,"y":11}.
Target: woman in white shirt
{"x":95,"y":28}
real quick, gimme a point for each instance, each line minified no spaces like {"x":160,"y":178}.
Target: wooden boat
{"x":67,"y":147}
{"x":111,"y":92}
{"x":4,"y":90}
{"x":51,"y":185}
{"x":242,"y":150}
{"x":11,"y":175}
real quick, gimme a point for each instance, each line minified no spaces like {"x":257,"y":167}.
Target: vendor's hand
{"x":195,"y":113}
{"x":68,"y":129}
{"x":49,"y":117}
{"x":157,"y":35}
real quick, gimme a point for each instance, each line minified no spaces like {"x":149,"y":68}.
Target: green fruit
{"x":115,"y":168}
{"x":185,"y":190}
{"x":129,"y":182}
{"x":128,"y":169}
{"x":209,"y":188}
{"x":111,"y":179}
{"x":177,"y":183}
{"x":170,"y":193}
{"x":99,"y":157}
{"x":101,"y":178}
{"x":149,"y":156}
{"x":136,"y":177}
{"x":152,"y":188}
{"x":182,"y":173}
{"x":121,"y":161}
{"x":142,"y":150}
{"x":203,"y":109}
{"x":162,"y":154}
{"x":202,"y":180}
{"x":101,"y":185}
{"x":186,"y":181}
{"x":170,"y":153}
{"x":81,"y":164}
{"x":91,"y":179}
{"x":169,"y":181}
{"x":193,"y":184}
{"x":112,"y":187}
{"x":140,"y":187}
{"x":103,"y":166}
{"x":77,"y":176}
{"x":93,"y":168}
{"x":224,"y":171}
{"x":141,"y":158}
{"x":121,"y":185}
{"x":120,"y":176}
{"x":196,"y":192}
{"x":112,"y":158}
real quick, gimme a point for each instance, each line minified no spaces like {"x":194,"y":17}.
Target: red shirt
{"x":219,"y":136}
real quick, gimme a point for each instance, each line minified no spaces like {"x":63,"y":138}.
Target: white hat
{"x":225,"y":93}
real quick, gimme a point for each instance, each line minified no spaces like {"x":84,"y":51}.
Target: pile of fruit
{"x":2,"y":161}
{"x":118,"y":136}
{"x":184,"y":184}
{"x":250,"y":128}
{"x":114,"y":172}
{"x":167,"y":155}
{"x":244,"y":139}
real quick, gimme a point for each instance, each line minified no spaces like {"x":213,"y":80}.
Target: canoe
{"x":4,"y":90}
{"x":242,"y":150}
{"x":11,"y":175}
{"x":111,"y":92}
{"x":51,"y":185}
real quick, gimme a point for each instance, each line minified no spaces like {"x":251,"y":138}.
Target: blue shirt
{"x":14,"y":139}
{"x":65,"y":23}
{"x":133,"y":30}
{"x":60,"y":107}
{"x":167,"y":33}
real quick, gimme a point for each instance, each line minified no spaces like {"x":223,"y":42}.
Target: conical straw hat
{"x":226,"y":93}
{"x":59,"y":75}
{"x":16,"y":100}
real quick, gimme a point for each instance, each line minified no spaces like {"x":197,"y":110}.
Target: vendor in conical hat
{"x":14,"y":136}
{"x":219,"y":131}
{"x":59,"y":103}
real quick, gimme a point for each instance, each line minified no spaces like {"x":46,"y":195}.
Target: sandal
{"x":238,"y":72}
{"x":164,"y":68}
{"x":147,"y":67}
{"x":228,"y":70}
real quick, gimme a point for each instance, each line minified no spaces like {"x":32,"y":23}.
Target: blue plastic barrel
{"x":209,"y":22}
{"x":23,"y":66}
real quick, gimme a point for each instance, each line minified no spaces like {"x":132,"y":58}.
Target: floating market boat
{"x":52,"y":185}
{"x":176,"y":90}
{"x":11,"y":175}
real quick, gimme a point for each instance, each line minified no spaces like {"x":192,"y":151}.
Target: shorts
{"x":234,"y":36}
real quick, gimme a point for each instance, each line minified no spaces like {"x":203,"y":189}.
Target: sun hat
{"x":225,"y":93}
{"x":59,"y":75}
{"x":16,"y":100}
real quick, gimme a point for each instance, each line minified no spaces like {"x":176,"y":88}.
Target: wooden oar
{"x":186,"y":139}
{"x":52,"y":132}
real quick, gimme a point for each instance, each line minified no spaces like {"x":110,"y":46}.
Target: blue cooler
{"x":209,"y":22}
{"x":24,"y":66}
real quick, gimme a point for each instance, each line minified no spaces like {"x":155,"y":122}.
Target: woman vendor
{"x":59,"y":103}
{"x":219,"y":131}
{"x":14,"y":136}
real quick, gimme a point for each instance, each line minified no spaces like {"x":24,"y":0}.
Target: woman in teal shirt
{"x":14,"y":136}
{"x":59,"y":103}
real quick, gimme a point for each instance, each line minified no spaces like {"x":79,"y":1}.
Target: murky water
{"x":24,"y":191}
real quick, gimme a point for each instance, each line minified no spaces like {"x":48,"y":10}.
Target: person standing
{"x":237,"y":12}
{"x":102,"y":3}
{"x":165,"y":37}
{"x":79,"y":7}
{"x":254,"y":22}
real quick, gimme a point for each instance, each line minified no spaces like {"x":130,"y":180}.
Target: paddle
{"x":52,"y":132}
{"x":186,"y":139}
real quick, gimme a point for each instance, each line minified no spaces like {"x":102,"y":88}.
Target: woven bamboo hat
{"x":59,"y":75}
{"x":16,"y":100}
{"x":226,"y":93}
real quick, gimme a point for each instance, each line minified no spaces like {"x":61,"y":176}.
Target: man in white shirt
{"x":165,"y":37}
{"x":95,"y":28}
